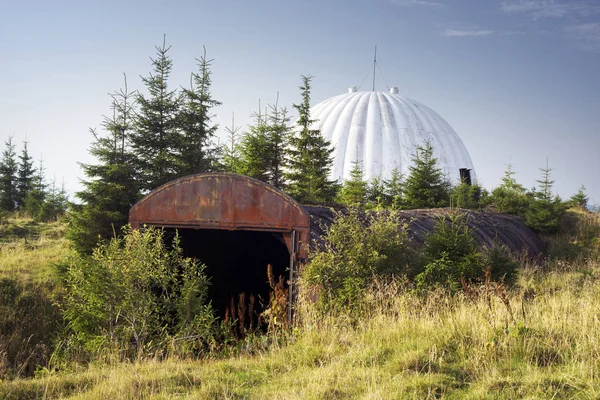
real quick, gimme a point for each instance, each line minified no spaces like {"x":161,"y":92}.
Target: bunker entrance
{"x":236,"y":262}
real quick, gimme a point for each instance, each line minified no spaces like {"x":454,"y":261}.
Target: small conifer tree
{"x":25,"y":176}
{"x":155,"y":137}
{"x":111,"y":188}
{"x":510,"y":197}
{"x":195,"y":153}
{"x":426,"y":186}
{"x":35,"y":199}
{"x":8,"y":177}
{"x":394,"y":190}
{"x":230,"y":152}
{"x":254,"y":148}
{"x":310,"y":156}
{"x":545,"y":210}
{"x":354,"y":190}
{"x":376,"y":194}
{"x":263,"y":147}
{"x":580,"y":198}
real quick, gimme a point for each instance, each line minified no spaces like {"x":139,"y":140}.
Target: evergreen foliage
{"x":55,"y":204}
{"x":310,"y":158}
{"x":230,"y":152}
{"x":510,"y":197}
{"x":452,"y":258}
{"x":254,"y":149}
{"x":8,"y":177}
{"x":468,"y":196}
{"x":156,"y":137}
{"x":25,"y":176}
{"x":36,"y":197}
{"x":195,"y":153}
{"x":394,"y":189}
{"x":111,"y":187}
{"x":263,"y":147}
{"x":545,"y":210}
{"x":426,"y":186}
{"x":580,"y":198}
{"x":354,"y":190}
{"x":451,"y":254}
{"x":279,"y":135}
{"x":376,"y":193}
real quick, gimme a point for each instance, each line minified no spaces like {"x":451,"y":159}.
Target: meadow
{"x":539,"y":338}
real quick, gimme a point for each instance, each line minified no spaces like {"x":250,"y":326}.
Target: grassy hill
{"x":539,"y":339}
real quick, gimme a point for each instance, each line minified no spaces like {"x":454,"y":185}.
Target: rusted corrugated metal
{"x":224,"y":201}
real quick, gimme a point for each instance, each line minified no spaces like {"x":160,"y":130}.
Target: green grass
{"x":538,"y":340}
{"x":29,"y":250}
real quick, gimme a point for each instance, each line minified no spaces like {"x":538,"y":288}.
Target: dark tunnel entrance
{"x":236,"y":262}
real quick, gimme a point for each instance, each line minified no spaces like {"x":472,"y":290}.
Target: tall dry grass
{"x":539,"y":340}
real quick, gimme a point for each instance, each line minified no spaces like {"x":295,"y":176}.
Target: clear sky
{"x":519,"y":80}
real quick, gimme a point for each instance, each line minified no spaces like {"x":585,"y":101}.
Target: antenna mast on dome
{"x":374,"y":65}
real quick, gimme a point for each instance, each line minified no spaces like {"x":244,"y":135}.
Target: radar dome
{"x":382,"y":131}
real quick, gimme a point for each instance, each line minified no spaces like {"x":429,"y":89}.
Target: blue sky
{"x":519,"y":80}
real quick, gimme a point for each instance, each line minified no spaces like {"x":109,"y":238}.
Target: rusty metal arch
{"x":224,"y":201}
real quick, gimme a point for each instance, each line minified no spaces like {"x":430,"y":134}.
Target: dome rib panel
{"x":372,"y":152}
{"x":388,"y":146}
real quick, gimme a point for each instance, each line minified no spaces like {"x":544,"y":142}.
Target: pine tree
{"x":354,"y":190}
{"x":111,"y":187}
{"x":510,"y":197}
{"x":254,"y":148}
{"x":580,"y":198}
{"x":156,"y":136}
{"x":376,"y":195}
{"x":195,"y":154}
{"x":230,"y":152}
{"x":394,"y":190}
{"x":309,"y":157}
{"x":8,"y":177}
{"x":25,"y":176}
{"x":279,"y":132}
{"x":263,"y":147}
{"x":56,"y":202}
{"x":426,"y":186}
{"x":34,"y":202}
{"x":544,"y":212}
{"x":545,"y":191}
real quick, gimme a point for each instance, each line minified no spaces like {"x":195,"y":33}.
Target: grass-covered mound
{"x":538,"y":338}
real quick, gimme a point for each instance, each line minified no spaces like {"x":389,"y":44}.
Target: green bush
{"x":452,"y":256}
{"x":468,"y":196}
{"x":356,"y":248}
{"x":135,"y":297}
{"x":544,"y":216}
{"x":500,"y":261}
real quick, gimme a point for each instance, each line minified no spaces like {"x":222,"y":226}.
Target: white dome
{"x":383,"y":130}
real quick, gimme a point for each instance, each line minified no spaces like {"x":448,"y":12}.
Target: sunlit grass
{"x":538,"y":340}
{"x":546,"y":345}
{"x":30,"y":254}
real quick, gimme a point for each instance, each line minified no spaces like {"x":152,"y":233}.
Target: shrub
{"x":136,"y":297}
{"x":500,"y":261}
{"x":356,"y":248}
{"x":452,"y":257}
{"x":468,"y":196}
